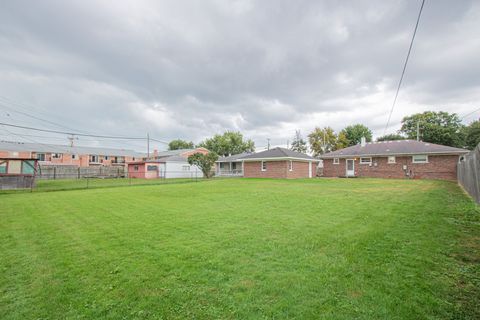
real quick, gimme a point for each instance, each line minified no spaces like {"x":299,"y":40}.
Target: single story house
{"x":279,"y":163}
{"x":17,"y":173}
{"x":394,"y":159}
{"x":52,"y":154}
{"x":166,"y":164}
{"x":231,"y":166}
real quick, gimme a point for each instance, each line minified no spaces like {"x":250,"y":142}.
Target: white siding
{"x":175,"y":169}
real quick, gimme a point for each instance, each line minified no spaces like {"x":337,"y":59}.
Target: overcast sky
{"x":190,"y":69}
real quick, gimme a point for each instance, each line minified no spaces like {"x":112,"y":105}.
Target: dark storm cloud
{"x":190,"y":69}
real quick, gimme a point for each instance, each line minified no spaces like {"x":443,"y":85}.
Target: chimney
{"x":363,"y":142}
{"x":155,"y":153}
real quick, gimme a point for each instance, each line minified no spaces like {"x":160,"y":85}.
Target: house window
{"x":56,"y":155}
{"x":106,"y":158}
{"x":420,"y":158}
{"x":93,"y":158}
{"x":391,"y":159}
{"x":152,"y":168}
{"x":264,"y":166}
{"x":366,"y":160}
{"x":186,"y":168}
{"x":41,"y":156}
{"x":290,"y":165}
{"x":222,"y":165}
{"x":74,"y":157}
{"x":336,"y":160}
{"x":135,"y":168}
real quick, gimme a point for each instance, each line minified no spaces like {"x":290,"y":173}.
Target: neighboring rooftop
{"x":278,"y":152}
{"x":54,"y":148}
{"x":235,"y":157}
{"x":396,"y":147}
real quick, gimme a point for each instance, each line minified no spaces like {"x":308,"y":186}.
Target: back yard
{"x":249,"y":249}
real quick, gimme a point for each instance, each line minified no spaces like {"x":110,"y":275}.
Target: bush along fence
{"x":469,"y":173}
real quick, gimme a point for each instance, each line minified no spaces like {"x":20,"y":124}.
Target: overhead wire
{"x":404,"y":68}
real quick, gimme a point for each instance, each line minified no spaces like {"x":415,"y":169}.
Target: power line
{"x":470,"y":113}
{"x":79,"y":134}
{"x":2,"y":104}
{"x":404,"y":67}
{"x":82,"y":132}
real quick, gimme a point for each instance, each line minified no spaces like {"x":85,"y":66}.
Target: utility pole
{"x":148,"y":146}
{"x":268,"y":143}
{"x":71,"y":138}
{"x":288,"y":144}
{"x":418,"y":131}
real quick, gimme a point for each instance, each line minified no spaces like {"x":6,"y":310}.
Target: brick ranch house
{"x":51,"y":154}
{"x":279,"y":163}
{"x":394,"y":159}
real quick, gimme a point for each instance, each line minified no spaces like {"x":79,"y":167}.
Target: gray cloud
{"x":191,"y":69}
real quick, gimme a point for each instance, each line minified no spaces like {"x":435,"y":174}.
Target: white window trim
{"x":261,"y":165}
{"x":336,"y":160}
{"x":426,"y":158}
{"x":391,"y":162}
{"x":290,"y":165}
{"x":369,"y":162}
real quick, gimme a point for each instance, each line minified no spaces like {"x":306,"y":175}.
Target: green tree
{"x":228,"y":143}
{"x":204,"y":161}
{"x":342,"y":141}
{"x":180,"y":144}
{"x":435,"y":127}
{"x":391,"y":137}
{"x":322,"y":141}
{"x":354,"y":134}
{"x":298,"y":144}
{"x":472,"y":135}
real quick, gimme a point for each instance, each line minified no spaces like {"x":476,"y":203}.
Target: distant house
{"x":279,"y":163}
{"x":394,"y":159}
{"x":231,"y":166}
{"x":51,"y":154}
{"x":166,"y":164}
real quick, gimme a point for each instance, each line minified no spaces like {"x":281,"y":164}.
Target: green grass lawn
{"x":242,"y":249}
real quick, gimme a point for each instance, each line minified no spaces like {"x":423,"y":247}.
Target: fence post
{"x":78,"y":173}
{"x":87,"y":182}
{"x":54,"y":173}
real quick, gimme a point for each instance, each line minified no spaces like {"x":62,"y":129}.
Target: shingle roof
{"x":54,"y":148}
{"x":397,"y":147}
{"x":234,"y":157}
{"x":277,"y":153}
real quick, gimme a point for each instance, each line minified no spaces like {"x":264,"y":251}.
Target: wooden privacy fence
{"x":53,"y":172}
{"x":468,"y":173}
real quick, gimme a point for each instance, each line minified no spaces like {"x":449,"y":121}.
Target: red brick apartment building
{"x":394,"y":159}
{"x":50,"y":154}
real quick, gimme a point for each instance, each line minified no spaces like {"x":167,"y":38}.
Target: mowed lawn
{"x":242,"y":249}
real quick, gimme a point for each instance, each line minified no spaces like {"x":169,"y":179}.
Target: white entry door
{"x":350,"y":168}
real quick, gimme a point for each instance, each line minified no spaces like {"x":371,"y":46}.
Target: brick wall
{"x":438,"y":167}
{"x":277,"y":169}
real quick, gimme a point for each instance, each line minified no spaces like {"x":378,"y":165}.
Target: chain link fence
{"x":468,"y":172}
{"x":65,"y":181}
